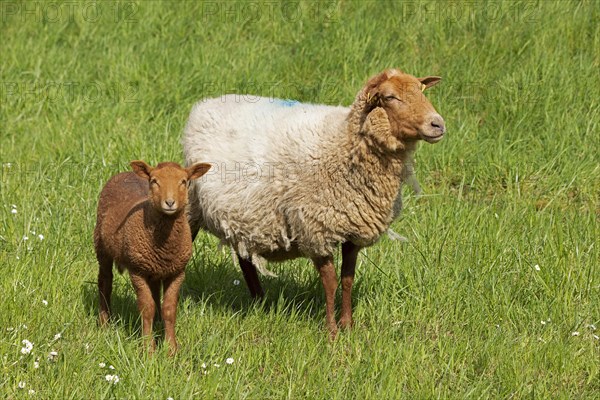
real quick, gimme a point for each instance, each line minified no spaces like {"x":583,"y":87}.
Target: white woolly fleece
{"x":262,"y":150}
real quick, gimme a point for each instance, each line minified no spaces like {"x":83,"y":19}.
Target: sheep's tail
{"x":259,"y":262}
{"x":261,"y":265}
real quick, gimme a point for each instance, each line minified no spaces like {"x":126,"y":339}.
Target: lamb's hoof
{"x":346,"y":323}
{"x":333,"y":331}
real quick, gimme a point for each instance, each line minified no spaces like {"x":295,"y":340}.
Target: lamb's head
{"x":168,"y":184}
{"x":411,"y":116}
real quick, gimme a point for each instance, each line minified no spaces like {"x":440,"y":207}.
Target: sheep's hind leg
{"x":146,"y":306}
{"x":169,"y":309}
{"x":251,"y":277}
{"x":105,"y":282}
{"x":329,"y":280}
{"x":349,"y":255}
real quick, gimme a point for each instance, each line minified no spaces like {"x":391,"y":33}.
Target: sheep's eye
{"x":392,"y":97}
{"x":183,"y":182}
{"x":154,"y":182}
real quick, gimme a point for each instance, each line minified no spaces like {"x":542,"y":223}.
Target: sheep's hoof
{"x":103,"y":319}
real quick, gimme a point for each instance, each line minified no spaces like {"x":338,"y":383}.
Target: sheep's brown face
{"x":168,"y":182}
{"x":411,"y":115}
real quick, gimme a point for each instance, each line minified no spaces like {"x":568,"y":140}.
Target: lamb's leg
{"x":329,"y":279}
{"x":146,"y":306}
{"x":169,"y":309}
{"x":349,"y":254}
{"x":251,"y":277}
{"x":105,"y":282}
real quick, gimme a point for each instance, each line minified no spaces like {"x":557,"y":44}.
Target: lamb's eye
{"x":392,"y":97}
{"x":154,"y":182}
{"x":183,"y":182}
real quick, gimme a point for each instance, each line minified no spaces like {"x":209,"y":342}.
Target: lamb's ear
{"x":141,"y":169}
{"x":429,"y":81}
{"x":197,"y":170}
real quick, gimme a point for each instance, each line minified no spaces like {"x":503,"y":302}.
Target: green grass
{"x":461,"y":311}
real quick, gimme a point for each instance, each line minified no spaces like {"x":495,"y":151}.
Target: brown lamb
{"x":142,"y":227}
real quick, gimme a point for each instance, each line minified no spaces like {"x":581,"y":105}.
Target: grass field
{"x":496,"y":294}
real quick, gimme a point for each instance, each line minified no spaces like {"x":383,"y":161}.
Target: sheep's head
{"x":168,"y":183}
{"x":411,"y":116}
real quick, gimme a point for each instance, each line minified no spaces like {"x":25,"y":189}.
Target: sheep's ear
{"x":141,"y":169}
{"x":373,"y":98}
{"x":429,"y":81}
{"x":197,"y":170}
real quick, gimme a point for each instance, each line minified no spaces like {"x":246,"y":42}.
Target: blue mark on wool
{"x":286,"y":102}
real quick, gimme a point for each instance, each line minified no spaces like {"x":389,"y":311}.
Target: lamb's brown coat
{"x":142,"y":227}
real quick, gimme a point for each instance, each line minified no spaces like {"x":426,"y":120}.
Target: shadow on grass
{"x":209,"y":279}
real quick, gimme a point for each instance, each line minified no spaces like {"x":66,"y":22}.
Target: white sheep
{"x":295,"y":180}
{"x":142,"y":226}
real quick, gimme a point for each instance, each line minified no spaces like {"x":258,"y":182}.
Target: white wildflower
{"x":32,"y":232}
{"x":575,"y":333}
{"x":596,"y":337}
{"x":36,"y":364}
{"x":592,"y":327}
{"x":57,"y":336}
{"x":216,"y":365}
{"x":203,"y":365}
{"x":41,"y":237}
{"x":45,"y":302}
{"x":27,"y":347}
{"x":543,"y":322}
{"x":536,"y":267}
{"x":31,"y":392}
{"x":169,"y":398}
{"x":236,"y":282}
{"x":102,"y":365}
{"x":21,"y":385}
{"x":114,"y":379}
{"x":229,"y":361}
{"x":13,"y":205}
{"x":25,"y":238}
{"x":111,"y":367}
{"x":52,"y":355}
{"x":14,"y":211}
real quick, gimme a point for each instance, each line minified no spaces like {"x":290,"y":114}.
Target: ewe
{"x":142,"y":226}
{"x":295,"y":180}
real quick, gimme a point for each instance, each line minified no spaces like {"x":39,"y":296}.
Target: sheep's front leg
{"x":349,"y":255}
{"x":171,"y":288}
{"x":251,"y":278}
{"x":105,"y":282}
{"x":329,"y":280}
{"x":146,"y":306}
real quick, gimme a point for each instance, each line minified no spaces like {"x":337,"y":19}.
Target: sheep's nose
{"x":170,"y":203}
{"x":437,"y":122}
